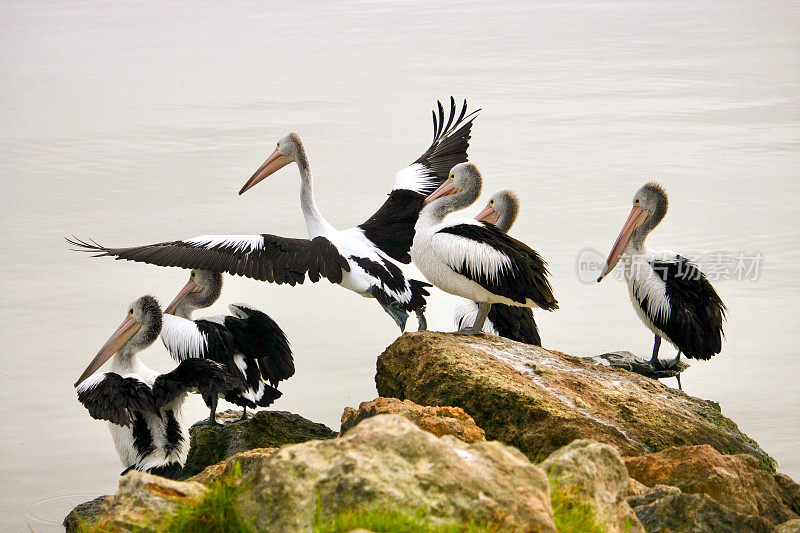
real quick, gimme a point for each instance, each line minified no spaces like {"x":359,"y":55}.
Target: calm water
{"x":134,"y":123}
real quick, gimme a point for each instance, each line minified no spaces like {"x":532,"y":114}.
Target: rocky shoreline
{"x":479,"y":431}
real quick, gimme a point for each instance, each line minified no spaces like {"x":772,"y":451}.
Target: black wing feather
{"x":391,"y":228}
{"x":117,"y":399}
{"x":208,"y":377}
{"x":279,"y":259}
{"x":695,"y":322}
{"x":527,"y":276}
{"x":258,"y":337}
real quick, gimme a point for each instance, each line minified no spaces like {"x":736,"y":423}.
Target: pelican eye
{"x":193,"y":273}
{"x":279,"y":144}
{"x":452,"y":177}
{"x":130,"y":311}
{"x":636,"y":201}
{"x":491,"y":202}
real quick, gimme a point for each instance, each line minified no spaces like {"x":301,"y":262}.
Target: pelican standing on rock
{"x":511,"y":322}
{"x":669,"y":293}
{"x":143,"y":407}
{"x":249,"y":344}
{"x":473,"y":259}
{"x":359,"y":258}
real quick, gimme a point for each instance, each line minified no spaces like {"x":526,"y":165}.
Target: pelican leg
{"x":243,"y":417}
{"x":678,"y":377}
{"x":477,"y":327}
{"x":654,"y":362}
{"x":212,"y":417}
{"x":392,"y":307}
{"x":423,"y":323}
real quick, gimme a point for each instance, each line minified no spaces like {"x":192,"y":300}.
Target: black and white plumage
{"x":248,"y":343}
{"x":143,"y":407}
{"x":474,"y":259}
{"x":511,"y":322}
{"x":359,"y":258}
{"x":670,"y":294}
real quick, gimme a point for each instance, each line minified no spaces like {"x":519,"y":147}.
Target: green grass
{"x":572,"y":512}
{"x":396,"y":521}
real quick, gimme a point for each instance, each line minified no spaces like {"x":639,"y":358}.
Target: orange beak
{"x":124,"y":332}
{"x":189,"y":288}
{"x":445,"y":189}
{"x":488,"y":215}
{"x":635,"y":219}
{"x":274,"y":162}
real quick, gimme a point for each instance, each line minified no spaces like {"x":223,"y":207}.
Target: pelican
{"x":669,"y":293}
{"x":249,"y":344}
{"x":359,"y":258}
{"x":143,"y":407}
{"x":511,"y":322}
{"x":473,"y":259}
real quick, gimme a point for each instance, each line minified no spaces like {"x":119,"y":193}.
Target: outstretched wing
{"x":391,"y":228}
{"x":208,"y":377}
{"x":499,"y":263}
{"x":258,"y":337}
{"x":695,"y":324}
{"x":264,"y":257}
{"x":111,"y":397}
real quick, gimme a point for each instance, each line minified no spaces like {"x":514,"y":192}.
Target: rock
{"x":792,"y":526}
{"x":386,"y":461}
{"x":695,"y":513}
{"x":142,"y":499}
{"x":437,"y":420}
{"x":790,"y":492}
{"x":629,"y":361}
{"x":539,"y":400}
{"x":248,"y":460}
{"x":597,"y":472}
{"x":735,"y":481}
{"x":265,"y":429}
{"x":85,"y":512}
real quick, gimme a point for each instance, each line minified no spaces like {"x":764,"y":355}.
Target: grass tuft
{"x":572,"y":512}
{"x":381,"y":520}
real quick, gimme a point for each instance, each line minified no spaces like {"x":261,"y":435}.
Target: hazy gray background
{"x":134,"y":122}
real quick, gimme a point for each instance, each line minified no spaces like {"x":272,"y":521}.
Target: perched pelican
{"x":511,"y":322}
{"x":669,"y":293}
{"x":359,"y":258}
{"x":249,"y":344}
{"x":473,"y":259}
{"x":143,"y":407}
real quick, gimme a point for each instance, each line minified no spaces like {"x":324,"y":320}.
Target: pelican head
{"x":289,"y":149}
{"x":460,"y":189}
{"x":502,"y":210}
{"x":138,"y":331}
{"x":649,"y":207}
{"x":202,"y":290}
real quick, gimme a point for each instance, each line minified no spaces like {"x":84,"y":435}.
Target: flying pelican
{"x":475,"y":260}
{"x":143,"y":407}
{"x":359,"y":258}
{"x":669,"y":293}
{"x":249,"y":344}
{"x":511,"y":322}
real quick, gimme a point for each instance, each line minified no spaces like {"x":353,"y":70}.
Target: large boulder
{"x":735,"y":481}
{"x":437,"y":420}
{"x":265,"y":429}
{"x":540,"y":400}
{"x":388,"y":462}
{"x":595,"y":471}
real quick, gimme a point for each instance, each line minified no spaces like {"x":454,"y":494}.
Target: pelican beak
{"x":124,"y":332}
{"x":273,"y":163}
{"x":445,"y":189}
{"x":488,"y":215}
{"x":189,"y":288}
{"x":635,"y":219}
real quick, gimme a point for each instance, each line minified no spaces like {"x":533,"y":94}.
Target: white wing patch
{"x":480,"y":258}
{"x":414,"y":177}
{"x":644,"y":283}
{"x":182,"y":338}
{"x":240,"y":243}
{"x":91,"y":382}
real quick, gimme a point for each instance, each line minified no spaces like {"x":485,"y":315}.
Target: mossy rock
{"x":265,"y":429}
